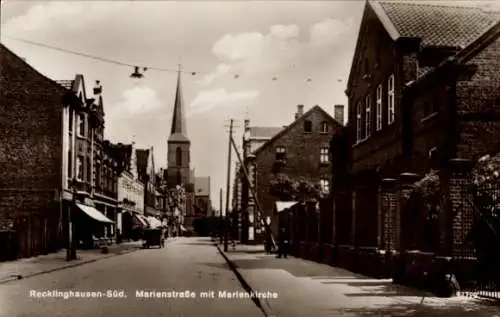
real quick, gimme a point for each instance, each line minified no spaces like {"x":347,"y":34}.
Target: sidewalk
{"x":313,"y":289}
{"x":27,"y":267}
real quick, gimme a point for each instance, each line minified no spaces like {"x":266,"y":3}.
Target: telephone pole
{"x":220,"y":218}
{"x":228,"y":184}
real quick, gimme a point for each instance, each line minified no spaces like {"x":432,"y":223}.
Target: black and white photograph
{"x":249,"y":158}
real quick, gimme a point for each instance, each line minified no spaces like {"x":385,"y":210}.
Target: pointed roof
{"x":178,"y":131}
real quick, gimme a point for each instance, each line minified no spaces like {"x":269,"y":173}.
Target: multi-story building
{"x":300,"y":150}
{"x":147,"y":175}
{"x":422,"y":89}
{"x":130,"y":193}
{"x":31,"y":159}
{"x":253,"y":138}
{"x":203,"y":204}
{"x":90,"y":164}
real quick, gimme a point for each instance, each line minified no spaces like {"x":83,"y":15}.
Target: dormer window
{"x":307,"y":126}
{"x":280,"y":153}
{"x":324,"y":127}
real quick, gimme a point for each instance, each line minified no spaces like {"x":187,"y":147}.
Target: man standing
{"x":283,"y":243}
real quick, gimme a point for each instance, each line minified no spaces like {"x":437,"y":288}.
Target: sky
{"x":236,"y":49}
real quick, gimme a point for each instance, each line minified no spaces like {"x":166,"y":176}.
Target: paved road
{"x":188,"y":264}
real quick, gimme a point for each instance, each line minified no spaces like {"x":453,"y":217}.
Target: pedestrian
{"x":283,"y":244}
{"x":269,"y":242}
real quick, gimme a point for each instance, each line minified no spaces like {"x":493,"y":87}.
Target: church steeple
{"x":178,"y":131}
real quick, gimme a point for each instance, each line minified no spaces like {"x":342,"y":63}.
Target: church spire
{"x":178,"y":131}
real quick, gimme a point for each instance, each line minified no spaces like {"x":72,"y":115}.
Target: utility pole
{"x":228,"y":184}
{"x":220,"y":218}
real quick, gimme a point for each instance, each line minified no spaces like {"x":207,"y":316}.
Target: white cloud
{"x":219,"y":71}
{"x":279,"y":48}
{"x":216,"y":98}
{"x":135,"y":101}
{"x":329,"y":32}
{"x":60,"y":15}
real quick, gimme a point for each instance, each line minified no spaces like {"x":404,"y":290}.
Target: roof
{"x":264,"y":132}
{"x":283,"y":205}
{"x":467,"y":53}
{"x":9,"y":72}
{"x":436,"y":25}
{"x":294,"y":123}
{"x":178,"y":131}
{"x":202,"y":186}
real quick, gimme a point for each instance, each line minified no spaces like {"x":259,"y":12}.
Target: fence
{"x":388,"y":231}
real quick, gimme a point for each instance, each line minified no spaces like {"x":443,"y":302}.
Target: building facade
{"x":130,"y":193}
{"x":90,"y":165}
{"x":418,"y":97}
{"x":31,"y":156}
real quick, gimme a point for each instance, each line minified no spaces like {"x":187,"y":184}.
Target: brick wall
{"x":30,"y":125}
{"x":302,"y":157}
{"x":479,"y":99}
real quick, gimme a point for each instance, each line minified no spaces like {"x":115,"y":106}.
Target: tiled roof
{"x":202,"y":186}
{"x":68,"y":84}
{"x":439,"y":25}
{"x":264,"y":132}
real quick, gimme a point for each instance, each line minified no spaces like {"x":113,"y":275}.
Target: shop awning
{"x":153,"y":222}
{"x":282,"y":205}
{"x":94,"y":213}
{"x":140,"y":221}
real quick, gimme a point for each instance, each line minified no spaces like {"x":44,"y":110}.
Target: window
{"x":379,"y":108}
{"x":359,"y":123}
{"x":178,"y":156}
{"x":280,"y":153}
{"x":89,"y":171}
{"x":324,"y":127}
{"x":70,"y":120}
{"x":368,"y":116}
{"x":324,"y":155}
{"x":390,"y":100}
{"x":81,"y":125}
{"x":79,"y":168}
{"x":98,"y":174}
{"x":325,"y":185}
{"x":70,"y":164}
{"x":308,"y":126}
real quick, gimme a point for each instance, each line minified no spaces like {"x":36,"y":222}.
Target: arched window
{"x":178,"y":156}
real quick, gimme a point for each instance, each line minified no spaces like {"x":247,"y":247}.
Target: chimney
{"x":338,"y":114}
{"x":300,"y":111}
{"x":97,"y":88}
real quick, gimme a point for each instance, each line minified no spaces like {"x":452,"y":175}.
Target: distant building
{"x":253,"y":139}
{"x":203,"y":204}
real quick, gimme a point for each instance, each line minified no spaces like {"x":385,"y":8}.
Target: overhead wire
{"x":137,"y":69}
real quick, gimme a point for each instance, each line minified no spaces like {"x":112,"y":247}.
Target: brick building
{"x":299,"y":150}
{"x":422,"y":90}
{"x":31,"y":156}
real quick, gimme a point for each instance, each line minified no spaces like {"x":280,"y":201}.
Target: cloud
{"x":329,"y":32}
{"x":280,"y":48}
{"x":219,"y":71}
{"x":60,"y":15}
{"x":216,"y":98}
{"x":136,"y":101}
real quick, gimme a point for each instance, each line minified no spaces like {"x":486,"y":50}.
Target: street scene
{"x":277,"y":159}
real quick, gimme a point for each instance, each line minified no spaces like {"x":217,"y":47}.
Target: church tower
{"x":179,"y":146}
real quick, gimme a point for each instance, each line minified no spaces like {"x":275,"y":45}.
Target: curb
{"x":60,"y":268}
{"x":266,"y":310}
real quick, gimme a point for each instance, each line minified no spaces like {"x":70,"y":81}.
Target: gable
{"x":373,"y":20}
{"x":79,"y":89}
{"x":314,"y":111}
